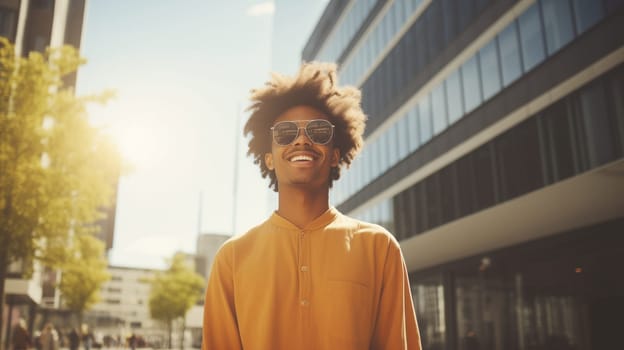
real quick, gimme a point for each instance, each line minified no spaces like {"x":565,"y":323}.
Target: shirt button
{"x":304,"y":268}
{"x":304,"y":302}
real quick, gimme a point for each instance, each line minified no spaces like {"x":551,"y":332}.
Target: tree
{"x":83,"y":274}
{"x":174,"y":292}
{"x":56,"y":170}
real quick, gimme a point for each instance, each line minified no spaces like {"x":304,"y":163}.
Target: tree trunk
{"x":182,"y":335}
{"x":170,"y":328}
{"x":4,"y":265}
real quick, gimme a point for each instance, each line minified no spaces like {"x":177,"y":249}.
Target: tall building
{"x":34,"y":25}
{"x":494,"y":152}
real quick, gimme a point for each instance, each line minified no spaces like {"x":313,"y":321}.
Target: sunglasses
{"x":319,"y":131}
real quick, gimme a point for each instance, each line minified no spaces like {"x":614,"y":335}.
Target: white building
{"x":123,"y":308}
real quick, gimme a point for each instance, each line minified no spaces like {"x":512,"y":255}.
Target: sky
{"x":182,"y":72}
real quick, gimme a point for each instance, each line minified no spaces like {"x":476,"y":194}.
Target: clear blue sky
{"x":182,"y":71}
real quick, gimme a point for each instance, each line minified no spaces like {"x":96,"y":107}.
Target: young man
{"x":309,"y":277}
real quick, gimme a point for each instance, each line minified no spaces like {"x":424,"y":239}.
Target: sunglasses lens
{"x":319,"y":131}
{"x":285,"y":133}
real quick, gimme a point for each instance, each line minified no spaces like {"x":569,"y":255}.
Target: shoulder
{"x":369,"y":230}
{"x":238,"y":242}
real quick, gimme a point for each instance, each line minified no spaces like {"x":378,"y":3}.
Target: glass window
{"x":435,"y":31}
{"x":449,"y":8}
{"x":472,"y":86}
{"x":482,"y":166}
{"x":438,"y":109}
{"x":384,"y":151}
{"x":617,"y":97}
{"x":387,"y":215}
{"x":413,"y":130}
{"x":428,"y":295}
{"x":424,"y":120}
{"x":481,"y":306}
{"x":432,"y":198}
{"x":466,"y":186}
{"x":557,"y":24}
{"x":490,"y":73}
{"x":364,"y":168}
{"x":448,"y":196}
{"x":7,"y":23}
{"x":531,"y":38}
{"x":376,"y":158}
{"x":356,"y":175}
{"x":396,"y":17}
{"x":393,"y":144}
{"x":371,"y":161}
{"x":560,"y":142}
{"x":587,"y":13}
{"x":454,"y":97}
{"x":466,"y":13}
{"x":511,"y":65}
{"x":519,"y":160}
{"x":403,"y":137}
{"x":387,"y":24}
{"x":598,"y":128}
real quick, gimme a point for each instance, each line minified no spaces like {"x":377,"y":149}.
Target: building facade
{"x":494,"y":152}
{"x":123,"y":308}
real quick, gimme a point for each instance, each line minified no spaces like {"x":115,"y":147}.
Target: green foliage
{"x":175,"y":291}
{"x":56,"y":170}
{"x":83,"y":273}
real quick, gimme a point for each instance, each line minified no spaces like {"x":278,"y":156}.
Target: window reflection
{"x":472,"y":87}
{"x":509,"y":54}
{"x":438,"y":109}
{"x":428,"y":295}
{"x":587,"y":13}
{"x":424,"y":112}
{"x":531,"y":37}
{"x":480,"y":305}
{"x":490,"y":75}
{"x":557,"y":24}
{"x":454,"y":97}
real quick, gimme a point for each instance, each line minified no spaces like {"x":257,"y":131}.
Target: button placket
{"x":304,"y":300}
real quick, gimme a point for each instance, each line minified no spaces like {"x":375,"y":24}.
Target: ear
{"x":335,"y":158}
{"x":268,"y":161}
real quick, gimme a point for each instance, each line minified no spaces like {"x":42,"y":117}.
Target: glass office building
{"x":494,"y":152}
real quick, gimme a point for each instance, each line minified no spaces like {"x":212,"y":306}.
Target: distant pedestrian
{"x":86,"y":337}
{"x":132,"y":341}
{"x":49,"y":338}
{"x":21,"y":336}
{"x":74,"y":339}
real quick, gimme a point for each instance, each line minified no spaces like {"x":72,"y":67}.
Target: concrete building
{"x":207,"y":246}
{"x":124,"y":308}
{"x":494,"y":153}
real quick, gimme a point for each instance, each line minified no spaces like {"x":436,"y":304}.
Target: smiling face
{"x":302,"y":163}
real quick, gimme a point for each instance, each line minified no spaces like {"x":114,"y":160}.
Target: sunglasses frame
{"x":305,"y":128}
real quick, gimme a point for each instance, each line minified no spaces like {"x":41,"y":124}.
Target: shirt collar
{"x":323,"y":220}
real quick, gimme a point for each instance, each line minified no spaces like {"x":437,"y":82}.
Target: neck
{"x":302,"y":206}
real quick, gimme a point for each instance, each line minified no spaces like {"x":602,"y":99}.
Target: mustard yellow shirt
{"x":337,"y":283}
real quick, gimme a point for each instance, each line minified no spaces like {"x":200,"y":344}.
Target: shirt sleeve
{"x":396,"y":326}
{"x":220,"y":329}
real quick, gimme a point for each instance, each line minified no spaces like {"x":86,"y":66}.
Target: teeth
{"x":300,"y":158}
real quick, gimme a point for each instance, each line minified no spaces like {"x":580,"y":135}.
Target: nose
{"x":302,"y":137}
